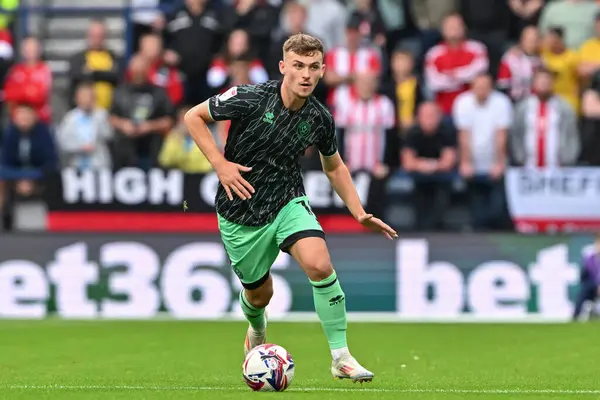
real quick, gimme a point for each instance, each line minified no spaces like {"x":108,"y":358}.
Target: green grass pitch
{"x":133,"y":360}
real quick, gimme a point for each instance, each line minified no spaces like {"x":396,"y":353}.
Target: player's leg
{"x":300,"y":234}
{"x":330,"y":303}
{"x":252,"y":252}
{"x":253,"y":301}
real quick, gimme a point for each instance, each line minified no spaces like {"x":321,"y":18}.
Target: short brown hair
{"x":303,"y":45}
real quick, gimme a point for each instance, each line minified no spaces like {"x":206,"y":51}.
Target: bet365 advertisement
{"x":438,"y":278}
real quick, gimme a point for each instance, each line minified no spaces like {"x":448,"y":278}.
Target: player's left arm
{"x":341,"y":181}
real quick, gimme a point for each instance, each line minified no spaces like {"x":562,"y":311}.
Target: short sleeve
{"x":411,"y":139}
{"x":504,"y":112}
{"x":461,"y":113}
{"x":388,"y":113}
{"x":327,"y":143}
{"x":235,"y":103}
{"x":165,"y":106}
{"x":448,"y":139}
{"x":116,"y":108}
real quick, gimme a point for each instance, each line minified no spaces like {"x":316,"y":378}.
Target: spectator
{"x":293,"y":22}
{"x":518,"y":64}
{"x":429,"y":154}
{"x":239,"y":71}
{"x":404,"y":89}
{"x":563,"y":63}
{"x":488,"y":23}
{"x":544,"y":132}
{"x":84,"y":133}
{"x":368,"y":135}
{"x":400,"y":22}
{"x":159,"y":73}
{"x":451,"y":65}
{"x":327,"y":20}
{"x":524,"y":13}
{"x":589,"y":287}
{"x":146,"y":18}
{"x":589,"y":53}
{"x":483,"y":117}
{"x":141,"y":114}
{"x":97,"y":64}
{"x":371,"y":25}
{"x":28,"y":148}
{"x":237,"y":49}
{"x":590,"y":127}
{"x":344,"y":63}
{"x":179,"y":150}
{"x":183,"y":29}
{"x":575,"y":17}
{"x":257,"y":18}
{"x":6,"y":60}
{"x":431,"y":13}
{"x":30,"y":82}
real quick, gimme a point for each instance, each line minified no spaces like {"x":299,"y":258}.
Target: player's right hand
{"x":232,"y":180}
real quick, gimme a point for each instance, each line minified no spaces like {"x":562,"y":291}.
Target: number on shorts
{"x":306,"y":207}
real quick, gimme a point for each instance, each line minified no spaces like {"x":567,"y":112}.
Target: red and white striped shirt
{"x":542,"y":133}
{"x":365,"y":123}
{"x":449,"y":70}
{"x":344,"y":63}
{"x":516,"y":73}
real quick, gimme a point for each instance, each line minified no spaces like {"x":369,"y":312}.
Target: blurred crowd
{"x":431,"y":88}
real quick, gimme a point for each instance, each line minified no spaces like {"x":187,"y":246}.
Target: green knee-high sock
{"x":330,"y":304}
{"x":254,"y":315}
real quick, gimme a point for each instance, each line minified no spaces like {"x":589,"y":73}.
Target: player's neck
{"x":290,"y":101}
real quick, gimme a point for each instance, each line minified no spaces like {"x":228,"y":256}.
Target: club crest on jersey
{"x":269,"y":117}
{"x":303,"y":128}
{"x":228,"y":94}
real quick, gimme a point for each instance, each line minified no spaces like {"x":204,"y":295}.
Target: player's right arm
{"x":228,"y":173}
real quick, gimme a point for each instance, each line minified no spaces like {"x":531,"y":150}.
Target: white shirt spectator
{"x":482,"y":121}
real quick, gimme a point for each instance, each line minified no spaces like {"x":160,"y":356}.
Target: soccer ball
{"x":268,"y":368}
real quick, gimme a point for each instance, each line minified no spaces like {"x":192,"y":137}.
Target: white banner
{"x":545,"y":200}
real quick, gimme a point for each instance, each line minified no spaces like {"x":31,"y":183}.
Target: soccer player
{"x":589,"y":287}
{"x":261,"y":203}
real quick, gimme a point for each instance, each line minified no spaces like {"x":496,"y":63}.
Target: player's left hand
{"x":377,"y":225}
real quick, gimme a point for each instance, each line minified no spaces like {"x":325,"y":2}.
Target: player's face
{"x":302,"y":73}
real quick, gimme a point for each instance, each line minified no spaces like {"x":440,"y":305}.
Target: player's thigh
{"x":251,"y":250}
{"x":300,"y":234}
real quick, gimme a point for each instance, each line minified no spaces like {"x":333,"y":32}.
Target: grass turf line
{"x":202,"y":360}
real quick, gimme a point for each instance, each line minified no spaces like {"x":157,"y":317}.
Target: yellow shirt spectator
{"x":566,"y":81}
{"x":590,"y":51}
{"x":101,"y":60}
{"x":589,"y":59}
{"x":179,"y":151}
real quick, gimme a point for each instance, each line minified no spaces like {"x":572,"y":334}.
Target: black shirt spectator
{"x":590,"y":126}
{"x":141,"y":114}
{"x":258,"y":18}
{"x":429,"y":155}
{"x":371,"y":24}
{"x":488,"y":22}
{"x":430,"y":146}
{"x":524,"y":13}
{"x":192,"y":37}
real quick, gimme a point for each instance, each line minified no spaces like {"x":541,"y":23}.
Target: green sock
{"x":254,"y":315}
{"x":330,"y":305}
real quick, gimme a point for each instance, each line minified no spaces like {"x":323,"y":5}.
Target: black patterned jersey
{"x":270,"y":138}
